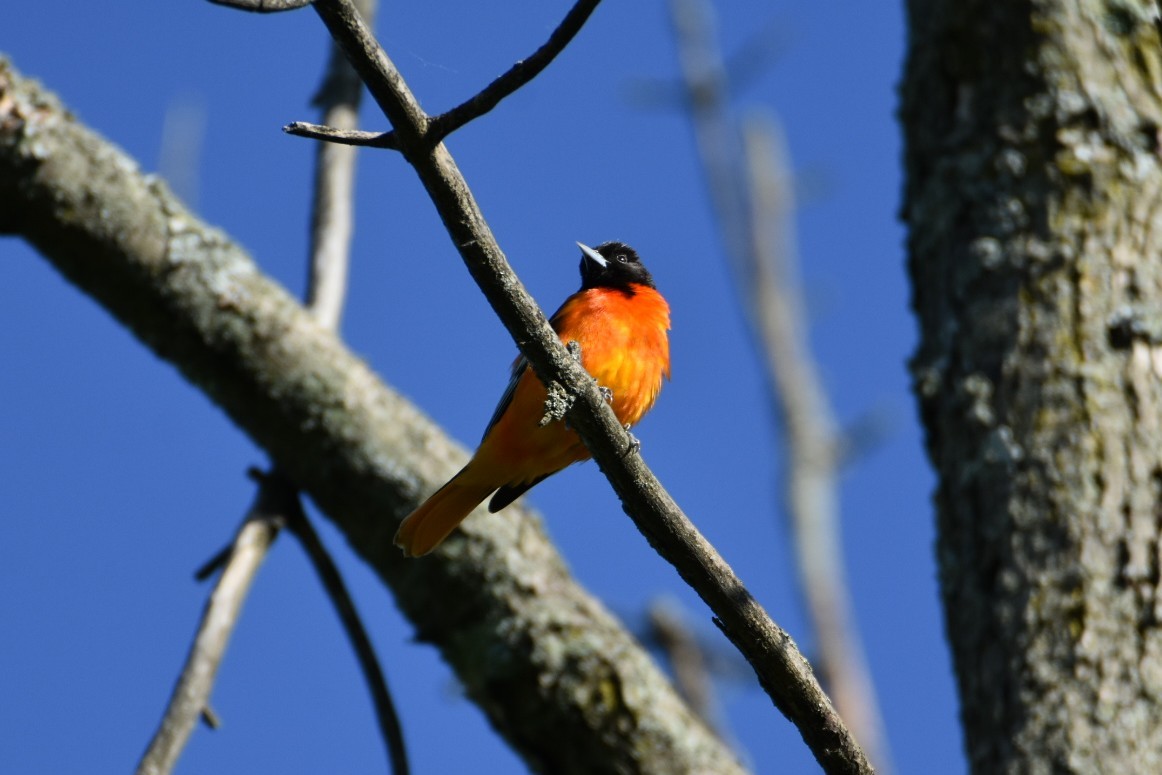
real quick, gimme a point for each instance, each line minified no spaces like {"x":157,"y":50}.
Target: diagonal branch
{"x":191,"y":695}
{"x":331,"y":227}
{"x":750,"y":192}
{"x":476,"y":106}
{"x":296,"y":521}
{"x":812,"y":439}
{"x":362,"y":452}
{"x":516,"y":76}
{"x":783,"y":672}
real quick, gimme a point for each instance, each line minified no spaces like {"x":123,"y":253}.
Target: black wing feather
{"x":518,"y":370}
{"x":510,"y":492}
{"x":519,"y":366}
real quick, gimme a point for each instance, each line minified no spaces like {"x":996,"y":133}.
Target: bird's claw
{"x":606,"y":393}
{"x":634,"y":444}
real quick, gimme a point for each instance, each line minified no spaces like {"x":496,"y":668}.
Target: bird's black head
{"x":612,"y":265}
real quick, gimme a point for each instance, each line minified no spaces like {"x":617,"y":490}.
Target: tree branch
{"x":333,"y":212}
{"x":191,"y":695}
{"x":331,"y":226}
{"x":341,"y":136}
{"x":666,"y":628}
{"x":362,"y":452}
{"x":813,"y":440}
{"x":784,"y":674}
{"x":296,"y":521}
{"x":476,"y":106}
{"x":750,"y":191}
{"x":516,"y":76}
{"x":263,"y":6}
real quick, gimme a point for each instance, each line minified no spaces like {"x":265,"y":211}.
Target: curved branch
{"x":515,"y":77}
{"x":436,"y":129}
{"x":362,"y":452}
{"x":297,"y":523}
{"x":783,"y":672}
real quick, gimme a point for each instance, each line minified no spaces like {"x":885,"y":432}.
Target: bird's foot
{"x":606,"y":393}
{"x":634,"y":444}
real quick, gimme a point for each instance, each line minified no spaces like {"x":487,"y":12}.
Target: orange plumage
{"x":621,"y":322}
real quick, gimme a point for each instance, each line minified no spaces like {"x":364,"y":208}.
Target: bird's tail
{"x":426,"y":527}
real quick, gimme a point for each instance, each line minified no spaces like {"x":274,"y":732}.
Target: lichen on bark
{"x":1033,"y":185}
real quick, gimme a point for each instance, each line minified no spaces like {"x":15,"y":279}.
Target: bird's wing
{"x":519,"y":366}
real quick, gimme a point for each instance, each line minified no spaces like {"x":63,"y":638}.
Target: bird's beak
{"x":592,"y":254}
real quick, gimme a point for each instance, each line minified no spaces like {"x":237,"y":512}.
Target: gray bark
{"x":554,"y":672}
{"x":1033,"y":189}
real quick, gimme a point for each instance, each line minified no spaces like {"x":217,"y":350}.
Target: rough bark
{"x":555,"y":673}
{"x":1033,"y":186}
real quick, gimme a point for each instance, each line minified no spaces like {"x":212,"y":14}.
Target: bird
{"x":621,"y":323}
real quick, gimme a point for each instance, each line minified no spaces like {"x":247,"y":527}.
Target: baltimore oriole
{"x":621,"y":322}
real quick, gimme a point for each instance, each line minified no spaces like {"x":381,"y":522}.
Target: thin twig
{"x":516,"y":76}
{"x":329,"y":575}
{"x":263,"y":6}
{"x":474,"y":107}
{"x":332,"y":224}
{"x":191,"y":695}
{"x":813,"y":440}
{"x":214,"y":564}
{"x":332,"y":213}
{"x":783,"y":672}
{"x":687,"y":660}
{"x":331,"y":228}
{"x":341,"y":136}
{"x":752,"y":196}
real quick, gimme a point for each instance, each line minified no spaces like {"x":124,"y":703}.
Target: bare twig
{"x":263,"y":6}
{"x":342,"y":136}
{"x":214,"y":564}
{"x":516,"y":76}
{"x":325,"y":567}
{"x":331,"y":228}
{"x":752,"y":196}
{"x":333,"y":218}
{"x":782,"y":671}
{"x":332,"y":222}
{"x":476,"y":106}
{"x":814,"y":443}
{"x":686,"y":659}
{"x":192,"y":692}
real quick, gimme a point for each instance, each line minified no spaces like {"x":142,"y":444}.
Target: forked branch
{"x":434,"y":130}
{"x":783,"y":672}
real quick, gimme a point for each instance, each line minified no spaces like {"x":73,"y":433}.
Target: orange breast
{"x":624,"y":345}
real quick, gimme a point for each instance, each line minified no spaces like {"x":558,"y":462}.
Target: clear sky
{"x":118,"y":479}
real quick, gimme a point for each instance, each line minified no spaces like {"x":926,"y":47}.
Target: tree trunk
{"x":1033,"y":186}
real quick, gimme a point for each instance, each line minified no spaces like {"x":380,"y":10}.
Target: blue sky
{"x":119,"y":479}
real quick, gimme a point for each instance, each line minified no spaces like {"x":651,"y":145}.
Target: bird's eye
{"x":622,"y":258}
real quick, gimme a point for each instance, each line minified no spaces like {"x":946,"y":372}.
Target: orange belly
{"x":624,"y":345}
